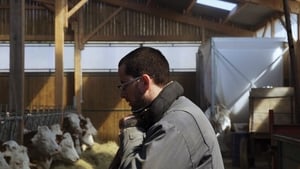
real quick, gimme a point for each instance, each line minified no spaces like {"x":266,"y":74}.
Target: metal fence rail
{"x":10,"y":122}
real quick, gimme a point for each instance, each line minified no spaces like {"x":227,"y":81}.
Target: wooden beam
{"x":60,"y":16}
{"x":171,"y":15}
{"x":78,"y":32}
{"x":272,"y":26}
{"x":190,"y":6}
{"x":203,"y":40}
{"x":293,"y":58}
{"x":276,"y":4}
{"x":87,"y":37}
{"x":297,"y":92}
{"x":76,"y":7}
{"x":100,"y":37}
{"x":298,"y":27}
{"x":16,"y":76}
{"x":265,"y":31}
{"x":235,"y":11}
{"x":66,"y":7}
{"x":77,"y":67}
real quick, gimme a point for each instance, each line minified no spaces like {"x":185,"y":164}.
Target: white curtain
{"x":232,"y":66}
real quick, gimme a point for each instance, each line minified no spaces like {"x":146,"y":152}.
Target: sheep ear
{"x":34,"y":138}
{"x":23,"y":149}
{"x":43,"y":128}
{"x":40,"y":129}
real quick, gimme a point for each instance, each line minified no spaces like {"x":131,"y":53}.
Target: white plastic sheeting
{"x":100,"y":57}
{"x":232,"y":66}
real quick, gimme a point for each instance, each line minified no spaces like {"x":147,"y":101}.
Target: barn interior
{"x":240,"y":64}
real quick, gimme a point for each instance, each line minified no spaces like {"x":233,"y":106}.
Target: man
{"x":166,"y":130}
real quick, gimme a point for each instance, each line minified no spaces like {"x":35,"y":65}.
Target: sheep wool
{"x":98,"y":157}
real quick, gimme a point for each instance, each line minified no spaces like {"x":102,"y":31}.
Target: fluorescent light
{"x":218,"y":4}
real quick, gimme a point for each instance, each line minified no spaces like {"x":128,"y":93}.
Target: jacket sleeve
{"x":163,"y":148}
{"x":131,"y":140}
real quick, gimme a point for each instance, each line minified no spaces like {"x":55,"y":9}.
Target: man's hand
{"x":128,"y":121}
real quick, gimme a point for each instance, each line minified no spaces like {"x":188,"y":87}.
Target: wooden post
{"x":16,"y":78}
{"x":77,"y":63}
{"x":60,"y":16}
{"x":293,"y":58}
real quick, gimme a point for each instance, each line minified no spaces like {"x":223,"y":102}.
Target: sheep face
{"x":45,"y":141}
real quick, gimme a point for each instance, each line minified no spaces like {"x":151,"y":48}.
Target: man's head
{"x":143,"y":73}
{"x":147,"y":60}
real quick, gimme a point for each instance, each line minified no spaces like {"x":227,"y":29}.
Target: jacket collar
{"x":155,"y":111}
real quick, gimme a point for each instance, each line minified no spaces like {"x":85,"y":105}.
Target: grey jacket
{"x":175,"y":134}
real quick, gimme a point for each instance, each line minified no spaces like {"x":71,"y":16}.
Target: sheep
{"x":42,"y":146}
{"x":221,"y":123}
{"x":48,"y":145}
{"x":81,"y":130}
{"x":15,"y":156}
{"x":72,"y":123}
{"x":3,"y":163}
{"x":87,"y":138}
{"x":20,"y":159}
{"x":98,"y":157}
{"x":9,"y":146}
{"x":56,"y":129}
{"x":68,"y":152}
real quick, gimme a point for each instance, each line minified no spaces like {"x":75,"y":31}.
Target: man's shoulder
{"x":184,"y":104}
{"x":182,"y":108}
{"x":185,"y":111}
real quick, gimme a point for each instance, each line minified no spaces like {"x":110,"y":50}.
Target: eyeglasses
{"x":123,"y":86}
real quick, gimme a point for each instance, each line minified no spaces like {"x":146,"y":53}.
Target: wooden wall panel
{"x":4,"y":85}
{"x":40,"y":90}
{"x":107,"y":123}
{"x":100,"y":91}
{"x":278,"y":99}
{"x":103,"y":105}
{"x":101,"y":98}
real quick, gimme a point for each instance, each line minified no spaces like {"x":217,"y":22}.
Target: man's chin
{"x":136,"y":110}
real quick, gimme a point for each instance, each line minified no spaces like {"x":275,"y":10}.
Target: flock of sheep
{"x":56,"y":146}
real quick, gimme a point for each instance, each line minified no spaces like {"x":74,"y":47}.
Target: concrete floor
{"x":256,"y":150}
{"x":261,"y":162}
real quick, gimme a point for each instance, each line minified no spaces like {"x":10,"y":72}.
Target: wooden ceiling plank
{"x":87,"y":37}
{"x":216,"y":26}
{"x":276,"y":4}
{"x":49,"y":7}
{"x":48,"y":4}
{"x":45,"y":2}
{"x":148,"y":2}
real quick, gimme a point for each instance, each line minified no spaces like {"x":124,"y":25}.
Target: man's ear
{"x":145,"y":82}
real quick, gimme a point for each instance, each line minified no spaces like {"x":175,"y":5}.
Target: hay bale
{"x":98,"y":157}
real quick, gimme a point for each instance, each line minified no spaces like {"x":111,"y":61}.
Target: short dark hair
{"x":147,"y":60}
